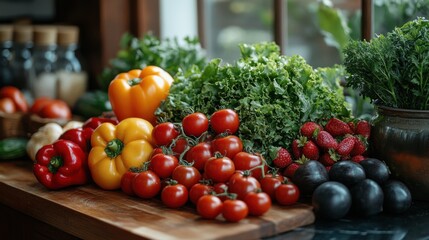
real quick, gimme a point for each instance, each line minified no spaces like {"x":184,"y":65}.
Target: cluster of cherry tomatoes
{"x":201,"y":162}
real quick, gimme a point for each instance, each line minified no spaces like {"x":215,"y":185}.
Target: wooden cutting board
{"x":89,"y":212}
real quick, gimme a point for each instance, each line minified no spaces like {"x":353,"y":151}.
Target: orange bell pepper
{"x":138,"y":93}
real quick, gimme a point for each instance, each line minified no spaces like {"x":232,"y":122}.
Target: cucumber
{"x":12,"y":148}
{"x":92,"y":104}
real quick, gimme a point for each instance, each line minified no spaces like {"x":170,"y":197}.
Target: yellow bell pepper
{"x":138,"y":93}
{"x":115,"y":149}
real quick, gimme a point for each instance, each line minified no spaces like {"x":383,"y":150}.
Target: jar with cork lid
{"x":22,"y":59}
{"x":43,"y":78}
{"x":6,"y":44}
{"x":72,"y":79}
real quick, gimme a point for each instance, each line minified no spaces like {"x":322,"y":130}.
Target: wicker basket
{"x":12,"y":125}
{"x":32,"y":122}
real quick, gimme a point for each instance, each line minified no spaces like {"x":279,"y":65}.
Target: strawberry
{"x":281,"y":157}
{"x":310,"y":150}
{"x":337,"y":127}
{"x":363,"y":128}
{"x":326,"y":140}
{"x":352,"y":126}
{"x":357,"y":158}
{"x":308,"y":128}
{"x":360,"y":146}
{"x":329,"y":158}
{"x":290,"y":170}
{"x":346,"y":146}
{"x":296,"y":148}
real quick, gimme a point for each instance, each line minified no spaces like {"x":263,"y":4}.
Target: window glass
{"x":230,"y":22}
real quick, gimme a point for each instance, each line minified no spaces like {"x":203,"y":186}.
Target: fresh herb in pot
{"x":272,"y":93}
{"x":392,"y":69}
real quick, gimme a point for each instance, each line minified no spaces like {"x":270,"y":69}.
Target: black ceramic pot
{"x":400,"y":137}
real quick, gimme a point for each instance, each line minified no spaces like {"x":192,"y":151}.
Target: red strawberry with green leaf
{"x":329,"y":158}
{"x":360,"y":146}
{"x":346,"y":146}
{"x":281,"y":157}
{"x":363,"y":128}
{"x":325,"y":140}
{"x":308,"y":128}
{"x":310,"y":150}
{"x":337,"y":127}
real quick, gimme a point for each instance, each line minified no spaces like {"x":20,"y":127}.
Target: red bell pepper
{"x":61,"y":164}
{"x":81,"y":136}
{"x":94,"y":122}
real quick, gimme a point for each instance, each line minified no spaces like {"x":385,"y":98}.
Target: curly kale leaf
{"x":272,"y":93}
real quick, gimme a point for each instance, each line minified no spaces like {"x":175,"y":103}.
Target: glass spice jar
{"x":43,"y":78}
{"x":72,"y":79}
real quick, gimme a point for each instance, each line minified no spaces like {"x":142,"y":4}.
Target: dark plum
{"x":347,"y":172}
{"x":367,"y":198}
{"x":397,"y":196}
{"x":331,"y":200}
{"x":309,"y":176}
{"x":375,"y":169}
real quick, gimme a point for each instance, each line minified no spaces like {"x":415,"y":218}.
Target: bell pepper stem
{"x":114,"y":148}
{"x":134,"y":81}
{"x":55,"y":163}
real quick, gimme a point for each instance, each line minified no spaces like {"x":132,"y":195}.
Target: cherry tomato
{"x":269,"y":184}
{"x":186,"y":175}
{"x":164,"y":133}
{"x":209,"y":206}
{"x":127,"y":182}
{"x":199,"y":190}
{"x":242,"y":184}
{"x":228,"y":146}
{"x":234,"y":210}
{"x":199,"y":155}
{"x":247,"y":161}
{"x":179,"y":146}
{"x":7,"y":105}
{"x":16,"y":96}
{"x":195,"y":124}
{"x":224,"y":121}
{"x":258,"y":203}
{"x":146,"y":184}
{"x":156,"y":151}
{"x":174,"y":195}
{"x":163,"y":165}
{"x":287,"y":194}
{"x":219,"y":169}
{"x":220,"y":188}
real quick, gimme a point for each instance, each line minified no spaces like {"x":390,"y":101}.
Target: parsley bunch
{"x":169,"y":54}
{"x":393,"y":69}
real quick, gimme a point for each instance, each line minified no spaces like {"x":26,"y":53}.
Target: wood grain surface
{"x":89,"y":212}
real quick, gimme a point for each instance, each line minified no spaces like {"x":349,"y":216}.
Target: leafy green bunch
{"x":169,"y":54}
{"x":392,"y":69}
{"x":273,"y":95}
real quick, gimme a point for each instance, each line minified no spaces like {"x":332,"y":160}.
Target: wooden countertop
{"x":89,"y":212}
